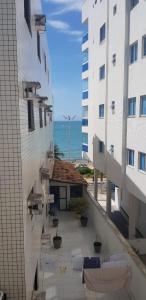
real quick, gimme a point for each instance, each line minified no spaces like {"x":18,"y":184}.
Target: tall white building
{"x":25,"y":143}
{"x":114,"y":100}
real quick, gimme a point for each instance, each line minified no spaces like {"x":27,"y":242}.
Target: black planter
{"x":97,"y":247}
{"x":57,"y":240}
{"x":84,"y":221}
{"x":55,"y":222}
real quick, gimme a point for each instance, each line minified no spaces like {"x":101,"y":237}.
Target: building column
{"x":108,"y":198}
{"x":133,"y":214}
{"x":95,"y":185}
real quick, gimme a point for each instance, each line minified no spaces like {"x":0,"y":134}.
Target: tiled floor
{"x":57,"y":276}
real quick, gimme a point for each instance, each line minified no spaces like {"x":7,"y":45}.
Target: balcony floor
{"x":57,"y":276}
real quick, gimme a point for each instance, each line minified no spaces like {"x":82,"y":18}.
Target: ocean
{"x":68,"y":136}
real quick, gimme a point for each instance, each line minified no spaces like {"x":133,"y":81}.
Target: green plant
{"x":57,"y":153}
{"x":78,"y":205}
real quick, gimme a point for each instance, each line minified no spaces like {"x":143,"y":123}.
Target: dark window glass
{"x":133,"y":52}
{"x":27,"y":13}
{"x":132,"y":106}
{"x":76,"y":191}
{"x":134,"y":3}
{"x":41,"y":117}
{"x":102,"y":72}
{"x":101,"y":147}
{"x":31,"y":125}
{"x":142,"y":162}
{"x":114,"y":9}
{"x":130,"y":157}
{"x":101,"y":111}
{"x":45,"y":117}
{"x":38,"y":46}
{"x":102,"y":32}
{"x":144,"y":46}
{"x":143,"y":105}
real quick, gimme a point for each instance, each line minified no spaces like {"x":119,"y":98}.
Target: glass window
{"x":143,"y":105}
{"x":85,"y":138}
{"x":101,"y":147}
{"x":27,"y":13}
{"x":130,"y":157}
{"x":85,"y":84}
{"x":144,"y":45}
{"x":85,"y":112}
{"x":132,"y":106}
{"x":101,"y":111}
{"x":102,"y":72}
{"x":45,"y":117}
{"x":31,"y":125}
{"x":102,"y":32}
{"x":41,"y":117}
{"x":85,"y":56}
{"x":134,"y":3}
{"x":142,"y":161}
{"x":133,"y":52}
{"x":115,"y":9}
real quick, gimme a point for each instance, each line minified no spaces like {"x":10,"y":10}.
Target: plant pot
{"x":57,"y":240}
{"x":55,"y":222}
{"x":84,"y":221}
{"x":97,"y":247}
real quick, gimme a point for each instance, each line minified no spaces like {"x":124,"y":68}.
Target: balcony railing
{"x":85,"y":67}
{"x":85,"y":95}
{"x":84,"y":122}
{"x":84,"y":148}
{"x":85,"y":38}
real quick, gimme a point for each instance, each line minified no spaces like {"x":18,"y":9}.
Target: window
{"x":132,"y":106}
{"x":27,"y":13}
{"x":102,"y":72}
{"x":102,"y":32}
{"x":112,"y":148}
{"x":31,"y":125}
{"x":134,"y":3}
{"x":114,"y":9}
{"x":45,"y":117}
{"x":113,"y":107}
{"x":101,"y":111}
{"x":143,"y":105}
{"x":133,"y":52}
{"x":142,"y":161}
{"x":130,"y":157}
{"x":38,"y":46}
{"x":85,"y":56}
{"x":85,"y":138}
{"x":41,"y":117}
{"x":101,"y":147}
{"x":76,"y":191}
{"x":144,"y":45}
{"x":45,"y":62}
{"x":85,"y":112}
{"x":85,"y":84}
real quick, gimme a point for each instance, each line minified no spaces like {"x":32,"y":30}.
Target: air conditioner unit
{"x":39,"y":295}
{"x":3,"y":296}
{"x":40,"y":22}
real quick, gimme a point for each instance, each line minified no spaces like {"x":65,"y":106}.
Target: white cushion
{"x":77,"y":262}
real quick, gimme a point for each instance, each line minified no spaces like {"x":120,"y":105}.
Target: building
{"x":114,"y":101}
{"x":26,"y":143}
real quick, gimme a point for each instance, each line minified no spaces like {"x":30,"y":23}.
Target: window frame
{"x":102,"y":68}
{"x":30,"y":111}
{"x":27,"y":14}
{"x":133,"y":102}
{"x":132,"y":61}
{"x":101,"y":147}
{"x":139,"y":162}
{"x":130,"y":160}
{"x":102,"y":34}
{"x":101,"y":111}
{"x":141,"y":99}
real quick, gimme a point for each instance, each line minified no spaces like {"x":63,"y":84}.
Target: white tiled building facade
{"x":25,"y":138}
{"x":114,"y":100}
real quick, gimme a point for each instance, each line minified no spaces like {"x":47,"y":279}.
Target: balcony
{"x":84,"y":148}
{"x":85,"y":95}
{"x":85,"y":67}
{"x":61,"y":280}
{"x":84,"y":122}
{"x":85,"y":38}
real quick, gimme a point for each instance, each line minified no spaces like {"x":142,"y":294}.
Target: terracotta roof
{"x":66,"y":172}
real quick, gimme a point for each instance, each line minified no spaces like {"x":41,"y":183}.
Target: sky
{"x":64,"y":31}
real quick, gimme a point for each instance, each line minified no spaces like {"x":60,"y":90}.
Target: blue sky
{"x":64,"y":37}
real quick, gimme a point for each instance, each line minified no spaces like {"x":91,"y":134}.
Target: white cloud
{"x":67,"y":6}
{"x":65,"y":28}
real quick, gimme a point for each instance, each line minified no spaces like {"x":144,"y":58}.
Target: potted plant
{"x":79,"y":206}
{"x":57,"y":241}
{"x":97,"y":246}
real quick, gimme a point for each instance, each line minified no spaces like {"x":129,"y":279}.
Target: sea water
{"x":68,"y":137}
